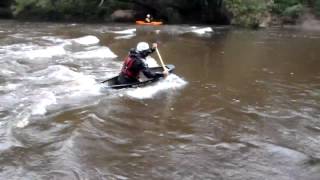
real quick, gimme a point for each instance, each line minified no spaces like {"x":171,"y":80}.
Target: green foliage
{"x":289,"y":10}
{"x":293,"y":11}
{"x":57,"y":9}
{"x":250,"y":12}
{"x":281,"y":5}
{"x":317,"y":7}
{"x":21,"y":5}
{"x":247,"y":12}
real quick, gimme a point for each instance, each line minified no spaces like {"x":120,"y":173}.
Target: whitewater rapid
{"x":47,"y":74}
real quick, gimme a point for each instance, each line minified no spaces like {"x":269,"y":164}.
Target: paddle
{"x":104,"y":81}
{"x":162,"y":64}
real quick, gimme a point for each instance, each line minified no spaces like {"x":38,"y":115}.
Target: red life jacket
{"x":127,"y":68}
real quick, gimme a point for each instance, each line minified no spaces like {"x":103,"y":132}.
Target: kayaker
{"x":148,"y":18}
{"x":134,"y":63}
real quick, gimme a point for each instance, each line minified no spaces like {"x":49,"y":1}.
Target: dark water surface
{"x":241,"y":105}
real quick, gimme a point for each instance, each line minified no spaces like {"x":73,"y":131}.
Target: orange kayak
{"x":154,"y":23}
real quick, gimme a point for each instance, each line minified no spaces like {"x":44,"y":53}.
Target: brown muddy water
{"x":242,"y":104}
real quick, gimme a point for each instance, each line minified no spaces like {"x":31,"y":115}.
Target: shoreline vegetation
{"x":244,"y":13}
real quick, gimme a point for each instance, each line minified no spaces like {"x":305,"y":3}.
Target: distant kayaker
{"x":148,"y":18}
{"x":134,"y":63}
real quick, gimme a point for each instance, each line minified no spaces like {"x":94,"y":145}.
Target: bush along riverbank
{"x":247,"y":13}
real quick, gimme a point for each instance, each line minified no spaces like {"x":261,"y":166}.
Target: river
{"x":242,"y":104}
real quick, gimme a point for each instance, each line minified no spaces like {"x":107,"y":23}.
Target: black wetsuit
{"x":137,"y":66}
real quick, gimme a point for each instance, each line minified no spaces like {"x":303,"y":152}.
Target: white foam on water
{"x":86,"y":40}
{"x":56,"y":86}
{"x":19,"y":36}
{"x":201,"y":30}
{"x":60,"y":47}
{"x":18,"y":49}
{"x":5,"y":72}
{"x":101,"y":52}
{"x":129,"y":36}
{"x":48,"y":52}
{"x":84,"y":85}
{"x":84,"y":48}
{"x":71,"y":81}
{"x":44,"y":99}
{"x":52,"y":74}
{"x":9,"y":87}
{"x":60,"y":87}
{"x":32,"y":51}
{"x":172,"y":82}
{"x":54,"y":40}
{"x":60,"y":73}
{"x":24,"y":120}
{"x":127,"y":31}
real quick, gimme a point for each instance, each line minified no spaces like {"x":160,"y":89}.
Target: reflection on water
{"x":241,"y":105}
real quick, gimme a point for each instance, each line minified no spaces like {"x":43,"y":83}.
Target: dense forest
{"x":239,"y":12}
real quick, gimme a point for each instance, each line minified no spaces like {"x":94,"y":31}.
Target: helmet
{"x":148,"y":15}
{"x":142,"y":46}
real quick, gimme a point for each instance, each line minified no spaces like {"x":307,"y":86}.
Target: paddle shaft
{"x":104,"y":81}
{"x":162,"y":64}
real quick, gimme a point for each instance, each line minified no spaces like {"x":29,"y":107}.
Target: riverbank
{"x":244,"y":13}
{"x":310,"y":22}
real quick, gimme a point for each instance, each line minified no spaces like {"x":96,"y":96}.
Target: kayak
{"x":112,"y":82}
{"x":154,"y":23}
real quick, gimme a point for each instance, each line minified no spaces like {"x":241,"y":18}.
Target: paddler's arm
{"x":151,"y":50}
{"x":147,"y":72}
